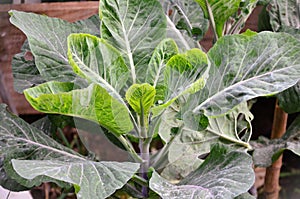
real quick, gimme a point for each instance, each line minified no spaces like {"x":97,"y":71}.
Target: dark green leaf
{"x":267,"y":151}
{"x":289,"y":100}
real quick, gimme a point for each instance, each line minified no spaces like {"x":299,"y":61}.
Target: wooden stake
{"x":271,"y":187}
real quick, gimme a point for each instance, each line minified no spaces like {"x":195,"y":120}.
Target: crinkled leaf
{"x":184,"y":74}
{"x":95,"y":179}
{"x":93,"y":103}
{"x":222,"y":10}
{"x":49,"y":44}
{"x":226,"y":173}
{"x":134,"y":27}
{"x":267,"y":151}
{"x":141,"y":98}
{"x":42,"y":159}
{"x":255,"y":65}
{"x":185,"y":22}
{"x":94,"y":59}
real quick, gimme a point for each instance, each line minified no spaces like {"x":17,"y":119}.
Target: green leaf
{"x":256,"y":65}
{"x":95,"y":179}
{"x":195,"y":141}
{"x":161,"y":55}
{"x":167,"y":190}
{"x":184,"y":74}
{"x":48,"y":44}
{"x":245,"y":196}
{"x":289,"y":100}
{"x":221,"y":10}
{"x":93,"y":103}
{"x":185,"y":22}
{"x":226,"y":173}
{"x":95,"y":60}
{"x":134,"y":27}
{"x":38,"y":158}
{"x":24,"y":70}
{"x":7,"y":182}
{"x":267,"y":151}
{"x":284,"y":14}
{"x":141,"y":98}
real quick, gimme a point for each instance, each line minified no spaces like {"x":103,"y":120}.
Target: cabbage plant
{"x":138,"y":74}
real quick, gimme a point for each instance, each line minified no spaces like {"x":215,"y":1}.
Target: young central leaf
{"x":184,"y":74}
{"x":141,"y":98}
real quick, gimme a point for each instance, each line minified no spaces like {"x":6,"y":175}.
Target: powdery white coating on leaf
{"x":134,"y":27}
{"x":167,"y":190}
{"x":224,"y":174}
{"x":95,"y":179}
{"x":52,"y":162}
{"x":185,"y":23}
{"x":248,"y":66}
{"x":48,"y":42}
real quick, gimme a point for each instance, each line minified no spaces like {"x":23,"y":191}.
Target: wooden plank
{"x":11,"y":40}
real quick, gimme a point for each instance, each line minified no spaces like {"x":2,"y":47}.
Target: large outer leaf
{"x":97,"y":61}
{"x":185,"y":22}
{"x":93,"y":103}
{"x":284,"y":17}
{"x":224,"y":174}
{"x":221,"y":11}
{"x":167,"y":190}
{"x":45,"y":157}
{"x":248,"y":66}
{"x":95,"y":179}
{"x":134,"y":27}
{"x":267,"y":151}
{"x":48,"y":43}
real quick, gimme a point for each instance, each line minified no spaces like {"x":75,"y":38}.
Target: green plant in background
{"x":143,"y":76}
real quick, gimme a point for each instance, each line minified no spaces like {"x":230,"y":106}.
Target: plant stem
{"x":212,"y":21}
{"x":144,"y":146}
{"x":271,"y":187}
{"x":63,"y":137}
{"x":160,"y":157}
{"x":129,"y":148}
{"x":139,"y":180}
